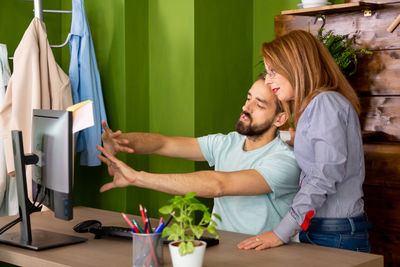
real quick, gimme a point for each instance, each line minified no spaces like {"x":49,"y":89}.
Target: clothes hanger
{"x":320,"y":17}
{"x":38,"y":11}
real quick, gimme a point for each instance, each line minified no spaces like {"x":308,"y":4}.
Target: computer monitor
{"x":52,"y":175}
{"x":52,"y":140}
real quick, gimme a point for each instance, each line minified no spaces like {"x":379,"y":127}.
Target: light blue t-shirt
{"x":274,"y":161}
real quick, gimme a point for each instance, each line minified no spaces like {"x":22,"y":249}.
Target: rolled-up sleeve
{"x":321,"y":152}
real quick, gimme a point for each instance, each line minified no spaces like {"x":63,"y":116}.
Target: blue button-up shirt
{"x":328,"y":149}
{"x":85,"y":83}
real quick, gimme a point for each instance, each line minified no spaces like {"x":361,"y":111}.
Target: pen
{"x":148,"y":221}
{"x":137,"y":225}
{"x":170,"y":218}
{"x":161,"y":221}
{"x":130,"y":223}
{"x":142,"y":214}
{"x":146,"y":226}
{"x":160,"y":227}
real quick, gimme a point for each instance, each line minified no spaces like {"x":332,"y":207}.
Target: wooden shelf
{"x":323,"y":10}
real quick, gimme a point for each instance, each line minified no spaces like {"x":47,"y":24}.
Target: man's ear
{"x":280,"y":119}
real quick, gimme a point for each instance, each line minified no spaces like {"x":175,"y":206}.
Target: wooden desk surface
{"x":117,"y":252}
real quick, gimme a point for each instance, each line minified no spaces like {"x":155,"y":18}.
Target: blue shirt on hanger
{"x":85,"y":83}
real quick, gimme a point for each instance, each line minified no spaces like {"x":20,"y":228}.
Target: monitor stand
{"x":28,"y":238}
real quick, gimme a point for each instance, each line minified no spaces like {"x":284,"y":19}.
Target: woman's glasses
{"x":270,"y":74}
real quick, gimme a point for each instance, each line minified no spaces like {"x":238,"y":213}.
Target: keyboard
{"x":114,"y":231}
{"x":123,"y":232}
{"x":95,"y":227}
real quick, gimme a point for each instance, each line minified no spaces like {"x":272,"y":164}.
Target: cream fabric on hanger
{"x":37,"y":82}
{"x":8,"y":189}
{"x":4,"y":78}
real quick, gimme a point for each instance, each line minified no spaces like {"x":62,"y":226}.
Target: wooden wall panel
{"x":381,"y":206}
{"x":388,"y":244}
{"x":382,"y":198}
{"x":375,"y":1}
{"x":378,"y":74}
{"x":381,"y":114}
{"x":382,"y":165}
{"x":371,"y":30}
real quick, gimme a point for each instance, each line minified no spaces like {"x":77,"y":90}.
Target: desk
{"x":117,"y":252}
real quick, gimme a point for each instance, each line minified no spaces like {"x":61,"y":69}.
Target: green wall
{"x":137,"y":89}
{"x":263,"y":27}
{"x":223,"y":65}
{"x":107,"y":20}
{"x":171,"y":86}
{"x":175,"y":67}
{"x":15,"y":17}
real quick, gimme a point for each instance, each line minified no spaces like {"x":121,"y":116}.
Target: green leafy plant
{"x":339,"y":47}
{"x":186,"y":229}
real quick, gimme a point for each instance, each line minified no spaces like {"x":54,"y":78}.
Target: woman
{"x":328,"y":210}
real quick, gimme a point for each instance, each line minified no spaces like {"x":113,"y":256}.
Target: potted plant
{"x":339,"y":46}
{"x":185,"y":250}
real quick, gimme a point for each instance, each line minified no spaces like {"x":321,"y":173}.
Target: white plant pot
{"x":313,"y":3}
{"x":193,"y":260}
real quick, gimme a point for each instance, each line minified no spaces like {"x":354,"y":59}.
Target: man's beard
{"x":252,"y":130}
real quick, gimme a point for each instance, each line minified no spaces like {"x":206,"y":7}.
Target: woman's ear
{"x":280,"y":119}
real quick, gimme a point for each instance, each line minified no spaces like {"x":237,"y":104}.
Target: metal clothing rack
{"x":38,"y":11}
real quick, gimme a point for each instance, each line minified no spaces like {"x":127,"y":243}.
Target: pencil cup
{"x":147,"y":250}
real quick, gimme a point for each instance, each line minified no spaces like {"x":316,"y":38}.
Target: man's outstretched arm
{"x":204,"y":183}
{"x":149,"y":143}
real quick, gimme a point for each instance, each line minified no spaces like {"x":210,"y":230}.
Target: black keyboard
{"x":113,"y":231}
{"x":123,"y":232}
{"x":95,"y":227}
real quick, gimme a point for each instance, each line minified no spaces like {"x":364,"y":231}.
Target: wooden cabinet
{"x":378,"y":84}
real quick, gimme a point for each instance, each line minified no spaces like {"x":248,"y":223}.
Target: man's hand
{"x":292,"y":135}
{"x":123,"y":174}
{"x":113,"y":142}
{"x":262,"y":241}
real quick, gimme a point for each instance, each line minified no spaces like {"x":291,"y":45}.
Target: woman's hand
{"x":123,"y":174}
{"x":292,"y":135}
{"x":113,"y":142}
{"x":261,"y":241}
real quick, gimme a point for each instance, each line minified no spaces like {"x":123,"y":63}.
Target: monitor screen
{"x":52,"y":141}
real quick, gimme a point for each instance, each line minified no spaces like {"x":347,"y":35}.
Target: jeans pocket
{"x":323,"y":239}
{"x":366,"y":249}
{"x":304,"y":238}
{"x":357,"y":241}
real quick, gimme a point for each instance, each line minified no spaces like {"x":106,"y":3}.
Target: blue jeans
{"x":345,"y":233}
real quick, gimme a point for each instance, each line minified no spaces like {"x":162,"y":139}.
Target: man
{"x":255,"y":177}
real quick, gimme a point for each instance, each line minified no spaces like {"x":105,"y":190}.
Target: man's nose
{"x":247,"y":107}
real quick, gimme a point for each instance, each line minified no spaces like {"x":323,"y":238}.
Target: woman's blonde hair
{"x":305,"y":62}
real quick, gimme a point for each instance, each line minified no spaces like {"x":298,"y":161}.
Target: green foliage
{"x":185,"y":229}
{"x":340,"y":48}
